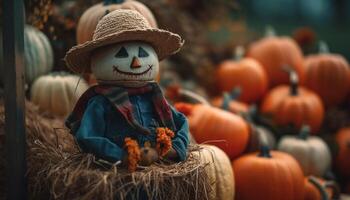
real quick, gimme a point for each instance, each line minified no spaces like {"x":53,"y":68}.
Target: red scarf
{"x":119,"y":98}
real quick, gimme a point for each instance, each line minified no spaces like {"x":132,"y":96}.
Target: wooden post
{"x":13,"y":54}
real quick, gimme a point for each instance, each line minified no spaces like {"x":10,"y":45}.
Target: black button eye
{"x":142,"y":52}
{"x":122,"y":53}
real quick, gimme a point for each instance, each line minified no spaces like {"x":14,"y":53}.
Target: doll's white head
{"x":125,"y":62}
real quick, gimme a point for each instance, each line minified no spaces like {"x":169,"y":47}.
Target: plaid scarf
{"x":119,"y":98}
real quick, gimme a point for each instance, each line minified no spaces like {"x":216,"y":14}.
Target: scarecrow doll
{"x":125,"y":117}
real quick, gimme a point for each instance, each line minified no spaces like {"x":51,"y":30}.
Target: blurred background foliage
{"x":328,"y":19}
{"x":211,"y":28}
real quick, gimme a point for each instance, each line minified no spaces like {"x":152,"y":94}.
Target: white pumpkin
{"x":311,"y":152}
{"x":220,"y":172}
{"x":57,"y":92}
{"x":38,"y":54}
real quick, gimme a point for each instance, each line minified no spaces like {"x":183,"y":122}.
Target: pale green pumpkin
{"x":38,"y":54}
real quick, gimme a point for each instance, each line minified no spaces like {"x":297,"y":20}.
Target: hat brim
{"x":164,"y":43}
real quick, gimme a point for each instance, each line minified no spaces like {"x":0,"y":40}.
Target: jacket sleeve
{"x":181,"y":139}
{"x":90,"y":135}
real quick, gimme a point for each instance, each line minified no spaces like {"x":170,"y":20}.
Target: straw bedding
{"x":58,"y":170}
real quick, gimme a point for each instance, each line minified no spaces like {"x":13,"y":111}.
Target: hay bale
{"x":37,"y":128}
{"x":57,"y":169}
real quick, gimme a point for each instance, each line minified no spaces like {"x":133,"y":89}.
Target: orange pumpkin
{"x":91,"y":16}
{"x":213,"y":126}
{"x":317,"y":188}
{"x":229,"y":102}
{"x":294,"y":105}
{"x":342,"y":160}
{"x":245,"y":73}
{"x":276,"y":52}
{"x":329,"y":76}
{"x":268,"y":175}
{"x":312,"y":192}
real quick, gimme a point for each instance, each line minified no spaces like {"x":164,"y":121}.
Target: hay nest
{"x":58,"y":169}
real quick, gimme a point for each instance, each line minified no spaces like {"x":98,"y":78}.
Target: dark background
{"x":330,"y":19}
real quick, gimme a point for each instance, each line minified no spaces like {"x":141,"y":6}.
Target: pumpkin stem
{"x":226,"y":101}
{"x":252,"y":112}
{"x":335,"y":188}
{"x":322,"y":47}
{"x":294,"y":84}
{"x":318,"y":185}
{"x":184,"y":108}
{"x":304,"y":132}
{"x":293,"y":80}
{"x":235,"y":93}
{"x":239,"y":53}
{"x":108,"y":2}
{"x":264,"y":152}
{"x":270,"y":31}
{"x":228,"y":97}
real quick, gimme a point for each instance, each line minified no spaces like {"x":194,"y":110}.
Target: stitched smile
{"x":115,"y":69}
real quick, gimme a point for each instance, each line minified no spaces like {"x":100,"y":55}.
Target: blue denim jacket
{"x":102,"y":130}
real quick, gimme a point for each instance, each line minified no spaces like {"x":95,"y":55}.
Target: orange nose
{"x":135,"y":63}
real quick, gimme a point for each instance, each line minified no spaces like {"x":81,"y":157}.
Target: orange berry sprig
{"x":134,"y":153}
{"x":164,"y":144}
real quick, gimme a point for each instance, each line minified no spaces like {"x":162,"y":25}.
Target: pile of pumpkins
{"x":274,"y":82}
{"x":55,"y":93}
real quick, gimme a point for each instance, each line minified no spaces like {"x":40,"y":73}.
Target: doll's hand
{"x":148,"y":156}
{"x":171,"y":155}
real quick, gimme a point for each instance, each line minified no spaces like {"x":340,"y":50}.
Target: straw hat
{"x":122,"y":26}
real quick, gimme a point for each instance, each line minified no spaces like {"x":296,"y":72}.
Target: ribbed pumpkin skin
{"x":247,"y":74}
{"x":38,"y":54}
{"x":55,"y":93}
{"x":91,"y":16}
{"x":312,"y":154}
{"x":305,"y":108}
{"x":329,"y":76}
{"x":342,"y":160}
{"x":276,"y":178}
{"x":275,"y":52}
{"x":214,"y":126}
{"x":220,"y":172}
